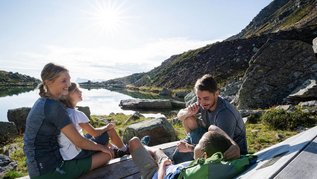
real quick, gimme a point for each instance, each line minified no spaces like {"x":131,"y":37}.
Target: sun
{"x":107,"y":16}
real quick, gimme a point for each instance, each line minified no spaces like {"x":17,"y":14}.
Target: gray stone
{"x":84,"y":109}
{"x":305,"y":92}
{"x":6,"y":165}
{"x":159,"y":129}
{"x":315,"y":45}
{"x":166,"y":92}
{"x":270,"y":77}
{"x":18,"y":116}
{"x":8,"y":131}
{"x":146,"y":104}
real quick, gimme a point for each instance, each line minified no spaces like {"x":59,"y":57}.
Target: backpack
{"x":215,"y":167}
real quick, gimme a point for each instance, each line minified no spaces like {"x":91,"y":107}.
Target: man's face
{"x":207,"y":100}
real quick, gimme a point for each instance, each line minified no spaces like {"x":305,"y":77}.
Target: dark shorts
{"x":103,"y":139}
{"x":69,"y":169}
{"x":193,"y":137}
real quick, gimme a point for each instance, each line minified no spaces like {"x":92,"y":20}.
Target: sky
{"x":104,"y":39}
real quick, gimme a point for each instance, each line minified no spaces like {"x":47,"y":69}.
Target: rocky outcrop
{"x":6,"y":165}
{"x":306,"y":92}
{"x":159,"y":130}
{"x":18,"y":116}
{"x":150,"y":104}
{"x":16,"y":79}
{"x":274,"y":72}
{"x":8,"y":131}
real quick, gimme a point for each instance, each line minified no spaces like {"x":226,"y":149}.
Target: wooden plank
{"x":273,"y":159}
{"x":124,"y":167}
{"x":303,"y":166}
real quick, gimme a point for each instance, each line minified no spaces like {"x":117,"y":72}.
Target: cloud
{"x":104,"y":63}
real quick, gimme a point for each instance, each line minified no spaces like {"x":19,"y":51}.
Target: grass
{"x":259,"y":136}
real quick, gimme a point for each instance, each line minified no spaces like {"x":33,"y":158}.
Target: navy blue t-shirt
{"x":43,"y":124}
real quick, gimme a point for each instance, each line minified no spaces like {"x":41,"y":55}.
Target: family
{"x":59,"y":142}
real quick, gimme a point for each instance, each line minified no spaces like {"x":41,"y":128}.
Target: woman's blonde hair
{"x":50,"y":72}
{"x":66,"y":99}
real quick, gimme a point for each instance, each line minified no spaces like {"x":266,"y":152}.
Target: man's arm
{"x":162,"y":168}
{"x":187,"y":116}
{"x":234,"y":151}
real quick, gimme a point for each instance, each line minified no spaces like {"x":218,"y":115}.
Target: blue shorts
{"x":195,"y":135}
{"x":103,"y":139}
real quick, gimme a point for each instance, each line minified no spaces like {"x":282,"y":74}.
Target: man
{"x":213,"y":110}
{"x":154,"y":163}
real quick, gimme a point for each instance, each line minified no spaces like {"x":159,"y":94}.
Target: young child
{"x":154,"y":163}
{"x":81,"y":122}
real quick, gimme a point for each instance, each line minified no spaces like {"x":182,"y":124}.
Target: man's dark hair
{"x":215,"y":142}
{"x":206,"y":83}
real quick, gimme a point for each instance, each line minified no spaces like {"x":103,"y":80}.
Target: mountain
{"x":267,"y":45}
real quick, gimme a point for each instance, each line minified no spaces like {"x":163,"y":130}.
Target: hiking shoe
{"x":146,"y":140}
{"x":119,"y":153}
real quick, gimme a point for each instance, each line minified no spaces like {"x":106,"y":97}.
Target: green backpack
{"x":215,"y":167}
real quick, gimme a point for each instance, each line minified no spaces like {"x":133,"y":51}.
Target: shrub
{"x":284,"y":120}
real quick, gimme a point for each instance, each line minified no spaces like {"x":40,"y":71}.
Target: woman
{"x":46,"y":120}
{"x":100,"y":135}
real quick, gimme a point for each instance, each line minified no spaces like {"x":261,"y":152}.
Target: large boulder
{"x":84,"y":109}
{"x":277,"y":69}
{"x":8,"y":131}
{"x":150,"y":104}
{"x":159,"y":129}
{"x":18,"y":116}
{"x":306,"y":92}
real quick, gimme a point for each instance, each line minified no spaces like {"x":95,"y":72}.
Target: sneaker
{"x":119,"y":153}
{"x":146,"y":140}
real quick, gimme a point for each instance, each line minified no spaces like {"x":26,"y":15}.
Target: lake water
{"x":100,"y":102}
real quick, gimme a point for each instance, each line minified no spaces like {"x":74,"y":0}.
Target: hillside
{"x":15,"y":79}
{"x":288,"y":26}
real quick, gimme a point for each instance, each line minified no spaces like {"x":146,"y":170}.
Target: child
{"x":81,"y":122}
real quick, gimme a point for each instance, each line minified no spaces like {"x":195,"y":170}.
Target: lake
{"x":100,"y":101}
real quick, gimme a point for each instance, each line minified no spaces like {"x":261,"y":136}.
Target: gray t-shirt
{"x":228,"y":118}
{"x":43,"y":124}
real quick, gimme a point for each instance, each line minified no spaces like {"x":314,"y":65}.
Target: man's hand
{"x":233,"y":152}
{"x":193,"y":109}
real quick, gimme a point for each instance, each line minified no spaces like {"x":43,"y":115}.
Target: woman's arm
{"x":81,"y":142}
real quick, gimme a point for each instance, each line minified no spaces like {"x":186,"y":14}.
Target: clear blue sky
{"x":102,"y":39}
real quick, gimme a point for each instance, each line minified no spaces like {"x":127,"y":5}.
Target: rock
{"x":84,"y":109}
{"x":315,"y":45}
{"x":18,"y":116}
{"x":286,"y":107}
{"x":166,"y":92}
{"x":181,"y":94}
{"x":6,"y":165}
{"x":190,"y":98}
{"x":150,"y":104}
{"x":135,"y":116}
{"x":308,"y":103}
{"x":274,"y":72}
{"x":8,"y":131}
{"x":305,"y":92}
{"x":279,"y":136}
{"x":8,"y":150}
{"x":159,"y":129}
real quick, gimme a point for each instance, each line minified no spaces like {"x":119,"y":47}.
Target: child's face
{"x":76,"y":95}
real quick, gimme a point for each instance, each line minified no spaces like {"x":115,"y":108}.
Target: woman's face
{"x":59,"y":86}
